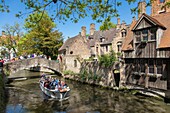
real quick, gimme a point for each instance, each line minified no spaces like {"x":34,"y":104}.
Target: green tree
{"x":107,"y":26}
{"x":42,"y":38}
{"x":10,"y":40}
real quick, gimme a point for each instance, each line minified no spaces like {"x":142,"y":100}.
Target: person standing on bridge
{"x":49,"y":58}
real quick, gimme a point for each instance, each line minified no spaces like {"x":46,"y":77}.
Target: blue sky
{"x":68,"y":29}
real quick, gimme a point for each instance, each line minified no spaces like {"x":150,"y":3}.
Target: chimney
{"x":134,"y":19}
{"x":141,"y":8}
{"x":83,"y":31}
{"x":123,"y":24}
{"x":118,"y":21}
{"x":92,"y":28}
{"x":118,"y":24}
{"x":3,"y":33}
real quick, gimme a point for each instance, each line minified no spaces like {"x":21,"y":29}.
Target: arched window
{"x":123,"y":32}
{"x":75,"y":63}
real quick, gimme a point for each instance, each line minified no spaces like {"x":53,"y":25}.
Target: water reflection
{"x":26,"y":97}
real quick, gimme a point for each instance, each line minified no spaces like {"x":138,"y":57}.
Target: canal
{"x":26,"y":97}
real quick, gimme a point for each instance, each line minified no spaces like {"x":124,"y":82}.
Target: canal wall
{"x":93,"y":73}
{"x":2,"y":90}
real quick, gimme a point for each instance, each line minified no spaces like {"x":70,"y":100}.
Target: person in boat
{"x":62,"y":86}
{"x":47,"y":83}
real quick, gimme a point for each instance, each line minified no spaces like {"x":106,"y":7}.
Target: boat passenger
{"x":43,"y":75}
{"x":46,"y":83}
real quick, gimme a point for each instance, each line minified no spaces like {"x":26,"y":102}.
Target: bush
{"x":68,"y":72}
{"x":107,"y":60}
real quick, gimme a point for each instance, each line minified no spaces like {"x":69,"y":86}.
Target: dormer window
{"x":138,"y":36}
{"x":145,"y":35}
{"x":152,"y":34}
{"x":102,"y":39}
{"x":123,"y":33}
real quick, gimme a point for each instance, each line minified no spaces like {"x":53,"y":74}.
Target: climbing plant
{"x":107,"y":60}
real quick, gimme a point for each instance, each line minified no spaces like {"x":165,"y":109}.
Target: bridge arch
{"x":37,"y":62}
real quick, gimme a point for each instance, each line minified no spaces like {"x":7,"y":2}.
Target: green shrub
{"x":107,"y":60}
{"x":68,"y":72}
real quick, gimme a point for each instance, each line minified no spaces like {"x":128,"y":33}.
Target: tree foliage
{"x":10,"y":40}
{"x":107,"y":26}
{"x":74,"y":10}
{"x":41,"y":38}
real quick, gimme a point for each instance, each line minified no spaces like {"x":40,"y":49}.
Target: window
{"x":145,"y":35}
{"x":159,"y":66}
{"x":106,"y":48}
{"x":138,"y":36}
{"x":137,"y":66}
{"x":123,"y":33}
{"x":71,"y":52}
{"x":151,"y":66}
{"x":97,"y":50}
{"x":75,"y":63}
{"x":102,"y":39}
{"x":118,"y":48}
{"x":142,"y":65}
{"x":152,"y":34}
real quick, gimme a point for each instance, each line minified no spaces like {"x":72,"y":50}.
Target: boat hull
{"x":55,"y":94}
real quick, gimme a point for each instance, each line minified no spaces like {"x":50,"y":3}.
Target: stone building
{"x":102,"y":42}
{"x":74,"y":50}
{"x":146,"y":49}
{"x":96,"y":44}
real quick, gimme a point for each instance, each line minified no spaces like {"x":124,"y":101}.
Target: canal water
{"x":26,"y":97}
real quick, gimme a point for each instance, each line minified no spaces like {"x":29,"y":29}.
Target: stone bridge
{"x":36,"y":63}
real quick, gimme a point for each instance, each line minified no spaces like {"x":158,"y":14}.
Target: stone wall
{"x":2,"y":94}
{"x":91,"y":72}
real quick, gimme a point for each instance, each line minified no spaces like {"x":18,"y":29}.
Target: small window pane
{"x":145,"y":35}
{"x":75,"y":63}
{"x":151,"y":66}
{"x":152,"y":34}
{"x":138,"y":36}
{"x":145,"y":38}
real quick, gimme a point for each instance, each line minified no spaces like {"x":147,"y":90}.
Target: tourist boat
{"x":58,"y":95}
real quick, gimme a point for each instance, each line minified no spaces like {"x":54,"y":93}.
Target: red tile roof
{"x":127,"y":44}
{"x":164,"y":18}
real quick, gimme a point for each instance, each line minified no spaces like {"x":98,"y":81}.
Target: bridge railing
{"x":15,"y":66}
